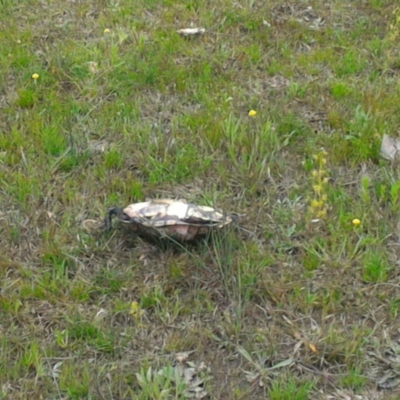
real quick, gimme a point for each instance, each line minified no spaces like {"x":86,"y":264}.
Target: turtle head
{"x":234,"y":216}
{"x":107,"y":222}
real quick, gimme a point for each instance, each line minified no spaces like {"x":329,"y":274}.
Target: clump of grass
{"x":163,"y":383}
{"x":375,"y":266}
{"x":340,"y":89}
{"x":290,"y":390}
{"x":250,"y":147}
{"x":353,"y":379}
{"x":394,"y":26}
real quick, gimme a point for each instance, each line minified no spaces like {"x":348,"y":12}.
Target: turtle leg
{"x":107,"y":222}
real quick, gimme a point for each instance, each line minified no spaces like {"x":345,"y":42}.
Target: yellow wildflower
{"x":35,"y":76}
{"x":252,"y":113}
{"x":135,"y":310}
{"x":317,"y":188}
{"x":356,"y":222}
{"x":321,"y":213}
{"x":316,"y":203}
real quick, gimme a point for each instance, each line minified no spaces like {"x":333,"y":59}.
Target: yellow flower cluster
{"x":136,"y":311}
{"x":394,"y":27}
{"x":318,"y":204}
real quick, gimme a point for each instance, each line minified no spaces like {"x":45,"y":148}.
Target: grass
{"x":300,"y":302}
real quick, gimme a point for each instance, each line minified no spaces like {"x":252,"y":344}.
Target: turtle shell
{"x":171,"y":218}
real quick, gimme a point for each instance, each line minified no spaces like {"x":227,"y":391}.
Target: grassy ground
{"x":302,"y":302}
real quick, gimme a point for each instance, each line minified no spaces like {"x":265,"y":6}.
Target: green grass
{"x":299,"y":302}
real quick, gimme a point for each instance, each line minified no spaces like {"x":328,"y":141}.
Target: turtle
{"x":168,"y":218}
